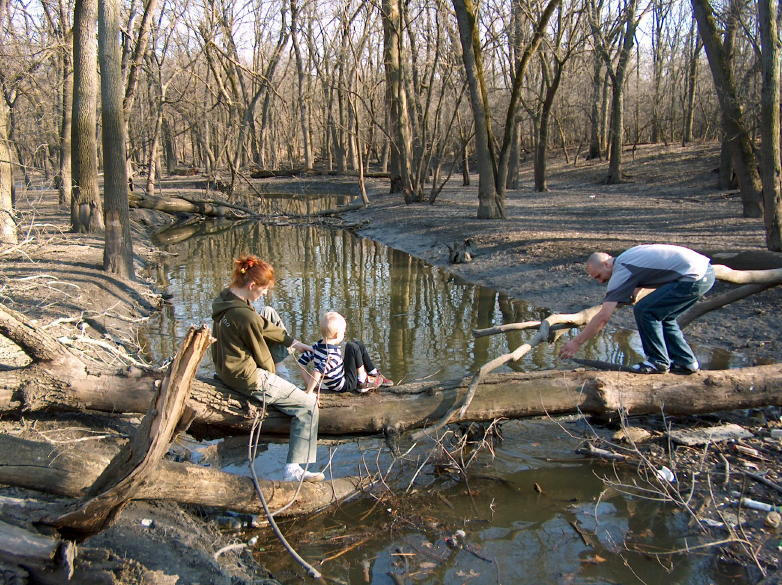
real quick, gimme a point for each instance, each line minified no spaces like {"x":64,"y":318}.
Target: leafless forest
{"x":424,"y":90}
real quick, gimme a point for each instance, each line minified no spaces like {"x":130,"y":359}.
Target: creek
{"x":532,"y":511}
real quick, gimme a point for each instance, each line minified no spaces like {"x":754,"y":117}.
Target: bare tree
{"x":86,"y":206}
{"x":302,"y":86}
{"x":7,"y":215}
{"x":567,"y":39}
{"x":628,"y":20}
{"x":7,"y":219}
{"x":492,"y":165}
{"x":58,"y":18}
{"x":694,"y":46}
{"x":661,"y":10}
{"x":732,"y":117}
{"x":396,"y":98}
{"x":771,"y":171}
{"x":118,"y":247}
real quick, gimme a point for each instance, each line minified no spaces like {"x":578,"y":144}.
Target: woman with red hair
{"x":247,"y":348}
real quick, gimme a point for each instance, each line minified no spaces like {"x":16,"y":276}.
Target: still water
{"x":538,"y":513}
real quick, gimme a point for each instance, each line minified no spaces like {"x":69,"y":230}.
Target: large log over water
{"x":221,"y":412}
{"x":518,"y":395}
{"x":59,"y":381}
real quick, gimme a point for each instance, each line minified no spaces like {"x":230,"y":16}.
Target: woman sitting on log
{"x":247,"y":347}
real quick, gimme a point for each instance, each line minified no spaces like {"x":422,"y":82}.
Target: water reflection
{"x":415,"y":320}
{"x":534,"y":519}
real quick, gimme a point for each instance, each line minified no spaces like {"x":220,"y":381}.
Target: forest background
{"x":421,"y":92}
{"x":416,"y":89}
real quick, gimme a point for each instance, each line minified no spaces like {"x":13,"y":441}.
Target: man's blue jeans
{"x":655,"y":315}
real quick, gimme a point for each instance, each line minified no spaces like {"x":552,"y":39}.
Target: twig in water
{"x":346,"y":549}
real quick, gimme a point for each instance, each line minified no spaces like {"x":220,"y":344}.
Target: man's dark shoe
{"x":683,"y":370}
{"x":647,"y":368}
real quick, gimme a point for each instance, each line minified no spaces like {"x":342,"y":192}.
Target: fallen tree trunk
{"x":58,"y":381}
{"x":121,"y":479}
{"x":25,"y":561}
{"x":176,"y":206}
{"x":513,"y":395}
{"x":71,"y":472}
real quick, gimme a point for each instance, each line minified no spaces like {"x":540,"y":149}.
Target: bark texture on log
{"x":518,"y":395}
{"x":221,"y":412}
{"x":70,"y":472}
{"x":135,"y":463}
{"x":175,"y":206}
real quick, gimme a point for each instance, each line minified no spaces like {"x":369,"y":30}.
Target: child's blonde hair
{"x":332,"y":324}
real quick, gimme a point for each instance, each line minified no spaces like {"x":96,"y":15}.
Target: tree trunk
{"x":135,"y":463}
{"x":517,"y":41}
{"x":543,"y":128}
{"x":465,"y":164}
{"x":694,"y":47}
{"x":660,"y":11}
{"x":7,"y":214}
{"x":177,"y":206}
{"x":514,"y":395}
{"x":118,"y":249}
{"x":490,"y":203}
{"x":733,"y":120}
{"x":66,"y":117}
{"x":153,"y":157}
{"x":617,"y":96}
{"x":769,"y":127}
{"x":86,"y":206}
{"x":58,"y":381}
{"x":514,"y":164}
{"x":169,"y":146}
{"x":302,"y":90}
{"x":595,"y":142}
{"x":72,"y":472}
{"x":398,"y":114}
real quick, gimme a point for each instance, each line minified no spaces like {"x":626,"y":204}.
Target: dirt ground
{"x":536,"y":254}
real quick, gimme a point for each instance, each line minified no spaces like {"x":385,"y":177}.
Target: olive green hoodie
{"x":240,"y":347}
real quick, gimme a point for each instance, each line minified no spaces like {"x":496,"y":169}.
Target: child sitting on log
{"x":331,"y":370}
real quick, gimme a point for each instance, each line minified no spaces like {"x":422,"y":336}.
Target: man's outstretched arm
{"x":592,"y":328}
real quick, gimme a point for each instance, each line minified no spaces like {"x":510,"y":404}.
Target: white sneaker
{"x":298,"y":474}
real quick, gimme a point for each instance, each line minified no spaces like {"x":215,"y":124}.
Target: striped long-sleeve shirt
{"x":327,"y":359}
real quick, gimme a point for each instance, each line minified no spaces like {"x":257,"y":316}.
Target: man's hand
{"x":592,"y":328}
{"x":569,"y":349}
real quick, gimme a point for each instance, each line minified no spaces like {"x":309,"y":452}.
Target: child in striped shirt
{"x":331,"y":370}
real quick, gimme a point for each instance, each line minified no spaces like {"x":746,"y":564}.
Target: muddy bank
{"x":537,"y":253}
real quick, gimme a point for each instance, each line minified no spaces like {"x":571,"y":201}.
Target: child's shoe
{"x":382,"y":380}
{"x":371,"y":383}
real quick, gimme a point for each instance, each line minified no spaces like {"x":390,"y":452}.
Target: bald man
{"x":680,"y":278}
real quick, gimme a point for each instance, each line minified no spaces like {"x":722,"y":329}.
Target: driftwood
{"x":66,"y":470}
{"x":176,"y":206}
{"x":135,"y":463}
{"x":754,"y":281}
{"x":357,"y":203}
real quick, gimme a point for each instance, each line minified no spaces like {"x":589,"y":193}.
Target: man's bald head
{"x":600,"y":266}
